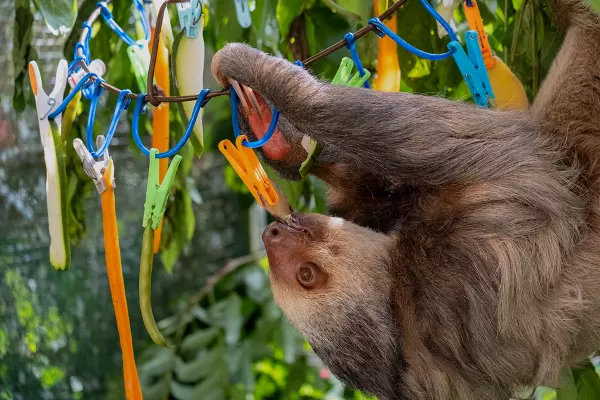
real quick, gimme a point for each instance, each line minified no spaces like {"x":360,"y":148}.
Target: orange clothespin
{"x":476,"y":24}
{"x":248,"y":167}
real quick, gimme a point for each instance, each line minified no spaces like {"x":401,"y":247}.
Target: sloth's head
{"x":332,"y":279}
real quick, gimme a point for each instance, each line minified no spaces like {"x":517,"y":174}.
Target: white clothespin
{"x":45,"y":103}
{"x":189,"y":17}
{"x":96,"y":66}
{"x":94,"y":169}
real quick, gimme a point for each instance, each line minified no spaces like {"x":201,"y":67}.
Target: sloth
{"x":461,"y":259}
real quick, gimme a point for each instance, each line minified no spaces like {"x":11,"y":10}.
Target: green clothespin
{"x":342,"y":77}
{"x":157,"y":194}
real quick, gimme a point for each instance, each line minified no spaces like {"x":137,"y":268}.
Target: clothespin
{"x":248,"y":167}
{"x":157,"y":194}
{"x":45,"y":103}
{"x":139,"y":56}
{"x":189,"y":17}
{"x":243,"y":13}
{"x":342,"y":76}
{"x":476,"y":24}
{"x":56,"y":178}
{"x":96,"y":66}
{"x":473,"y":69}
{"x":94,"y":169}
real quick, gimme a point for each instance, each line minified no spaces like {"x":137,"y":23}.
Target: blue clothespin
{"x":472,"y":67}
{"x":189,"y":17}
{"x":243,"y":13}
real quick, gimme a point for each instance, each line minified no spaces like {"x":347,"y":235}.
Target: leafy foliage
{"x":232,"y":341}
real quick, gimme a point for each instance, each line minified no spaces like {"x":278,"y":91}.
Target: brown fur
{"x":468,"y":264}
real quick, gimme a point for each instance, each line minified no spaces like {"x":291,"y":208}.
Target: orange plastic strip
{"x":112,"y":251}
{"x":388,"y":66}
{"x":160,"y":124}
{"x":476,"y":24}
{"x":248,"y":167}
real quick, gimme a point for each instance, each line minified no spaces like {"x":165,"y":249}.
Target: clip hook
{"x":94,"y":169}
{"x":248,"y":167}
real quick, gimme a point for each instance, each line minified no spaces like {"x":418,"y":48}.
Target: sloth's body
{"x":467,"y":263}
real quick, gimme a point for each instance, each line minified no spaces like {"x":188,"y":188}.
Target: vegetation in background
{"x":232,"y":341}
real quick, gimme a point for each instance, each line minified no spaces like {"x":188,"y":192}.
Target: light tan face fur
{"x":348,"y":263}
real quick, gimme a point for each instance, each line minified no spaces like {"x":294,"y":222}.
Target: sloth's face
{"x":319,"y":264}
{"x":332,"y":280}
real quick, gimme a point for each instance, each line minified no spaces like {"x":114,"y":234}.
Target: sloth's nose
{"x":273,"y":234}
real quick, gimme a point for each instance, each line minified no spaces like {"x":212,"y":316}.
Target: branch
{"x":228,"y":268}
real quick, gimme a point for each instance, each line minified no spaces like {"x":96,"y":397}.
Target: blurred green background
{"x":58,"y":338}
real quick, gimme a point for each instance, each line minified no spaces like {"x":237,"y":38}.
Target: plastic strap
{"x":350,"y":44}
{"x":59,"y":110}
{"x":140,"y":108}
{"x":236,"y":123}
{"x":110,"y":20}
{"x":122,"y":104}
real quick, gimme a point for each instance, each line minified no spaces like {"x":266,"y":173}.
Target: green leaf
{"x":567,"y":389}
{"x":201,"y":367}
{"x":193,"y":343}
{"x":355,"y":10}
{"x":287,"y":11}
{"x":227,"y":314}
{"x":587,"y":383}
{"x":59,"y":15}
{"x":209,"y":389}
{"x":595,"y":4}
{"x":161,"y":360}
{"x":157,"y":391}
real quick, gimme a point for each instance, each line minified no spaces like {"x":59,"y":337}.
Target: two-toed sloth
{"x":462,"y":260}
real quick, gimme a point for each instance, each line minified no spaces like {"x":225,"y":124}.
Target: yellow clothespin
{"x":248,"y":167}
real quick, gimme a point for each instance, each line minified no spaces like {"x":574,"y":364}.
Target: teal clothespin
{"x":157,"y":194}
{"x":472,"y":67}
{"x":189,"y":17}
{"x":243,"y":13}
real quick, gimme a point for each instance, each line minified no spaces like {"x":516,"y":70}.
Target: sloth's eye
{"x":309,"y":276}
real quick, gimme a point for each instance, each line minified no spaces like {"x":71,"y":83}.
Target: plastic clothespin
{"x":94,"y":169}
{"x":139,"y":55}
{"x":473,"y":69}
{"x":476,"y":23}
{"x":56,"y":178}
{"x":243,"y":13}
{"x":248,"y":167}
{"x":45,"y":103}
{"x":96,"y":66}
{"x":189,"y":17}
{"x":157,"y":194}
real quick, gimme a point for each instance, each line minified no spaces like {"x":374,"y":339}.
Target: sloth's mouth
{"x":259,"y":116}
{"x":292,"y":222}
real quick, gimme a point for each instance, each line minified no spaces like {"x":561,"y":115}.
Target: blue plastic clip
{"x":110,"y":21}
{"x":140,"y":108}
{"x":243,"y":13}
{"x":122,"y":104}
{"x":472,"y":68}
{"x":352,"y":47}
{"x":382,"y":30}
{"x":236,"y":123}
{"x":189,"y":17}
{"x":143,"y":17}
